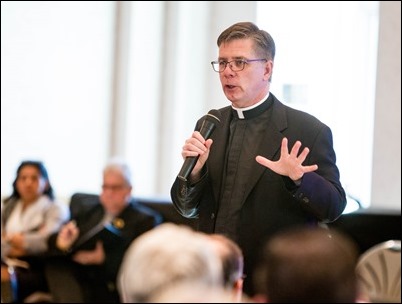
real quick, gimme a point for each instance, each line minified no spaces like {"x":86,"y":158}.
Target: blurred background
{"x":85,"y":81}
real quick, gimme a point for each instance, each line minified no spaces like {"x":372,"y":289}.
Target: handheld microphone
{"x":212,"y":119}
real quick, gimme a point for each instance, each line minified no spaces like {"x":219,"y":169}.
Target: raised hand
{"x":289,"y":164}
{"x":67,"y":235}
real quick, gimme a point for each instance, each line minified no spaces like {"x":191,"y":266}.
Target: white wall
{"x":60,"y":101}
{"x":386,"y":179}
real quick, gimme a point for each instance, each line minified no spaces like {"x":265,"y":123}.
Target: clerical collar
{"x":252,"y":111}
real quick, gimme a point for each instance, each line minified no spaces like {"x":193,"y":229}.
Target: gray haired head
{"x":117,"y":164}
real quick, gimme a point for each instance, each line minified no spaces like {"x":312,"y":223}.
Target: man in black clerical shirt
{"x":246,"y":183}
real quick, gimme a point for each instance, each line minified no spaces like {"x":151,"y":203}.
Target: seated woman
{"x":28,"y":216}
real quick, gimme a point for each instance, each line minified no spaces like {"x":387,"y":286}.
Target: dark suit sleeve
{"x":137,"y":221}
{"x":321,"y":191}
{"x":186,"y":196}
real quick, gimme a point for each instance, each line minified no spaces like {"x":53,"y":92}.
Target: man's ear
{"x":238,"y":284}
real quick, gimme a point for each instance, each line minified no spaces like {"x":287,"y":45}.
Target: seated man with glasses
{"x":86,"y":254}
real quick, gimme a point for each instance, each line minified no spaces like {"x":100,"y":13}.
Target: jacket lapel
{"x":216,"y":159}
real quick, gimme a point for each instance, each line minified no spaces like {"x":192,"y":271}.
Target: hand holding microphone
{"x":212,"y":119}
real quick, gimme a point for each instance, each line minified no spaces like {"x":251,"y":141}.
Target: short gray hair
{"x":166,"y":255}
{"x":119,"y":165}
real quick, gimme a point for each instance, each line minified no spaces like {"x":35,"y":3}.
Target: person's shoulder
{"x":7,"y":206}
{"x":47,"y":202}
{"x":61,"y":209}
{"x":295,"y":114}
{"x":141,"y":210}
{"x":223,"y":111}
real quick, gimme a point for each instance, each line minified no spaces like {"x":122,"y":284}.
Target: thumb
{"x":263,"y":161}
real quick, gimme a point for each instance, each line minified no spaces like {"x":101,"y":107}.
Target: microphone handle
{"x":187,"y":167}
{"x":190,"y":161}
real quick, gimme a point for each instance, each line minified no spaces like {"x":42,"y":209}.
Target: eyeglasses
{"x":113,"y":188}
{"x":235,"y":65}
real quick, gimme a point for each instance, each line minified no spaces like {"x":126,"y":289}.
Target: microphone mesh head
{"x":215,"y":115}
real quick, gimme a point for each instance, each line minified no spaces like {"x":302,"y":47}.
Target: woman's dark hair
{"x":43,"y":172}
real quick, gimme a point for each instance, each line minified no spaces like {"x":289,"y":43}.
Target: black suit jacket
{"x":134,"y":220}
{"x":271,"y":202}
